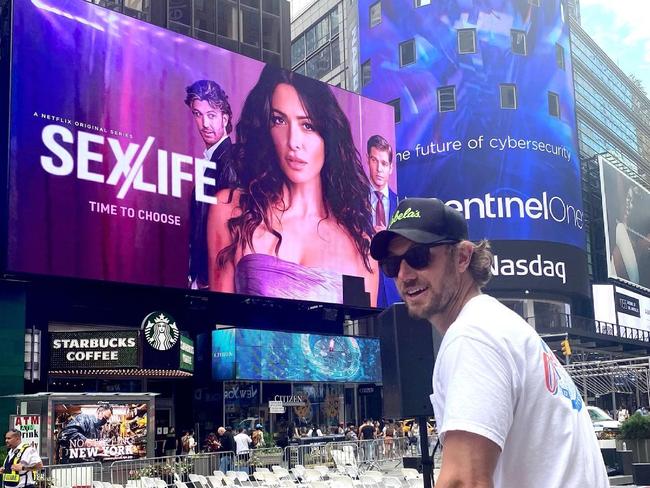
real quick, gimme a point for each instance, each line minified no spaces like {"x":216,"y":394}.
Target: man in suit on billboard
{"x":383,"y":201}
{"x":213,"y":117}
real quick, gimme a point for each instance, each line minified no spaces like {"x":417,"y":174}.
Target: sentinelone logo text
{"x":547,"y":207}
{"x":538,"y":266}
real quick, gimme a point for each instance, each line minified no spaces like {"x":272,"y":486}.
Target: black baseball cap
{"x":423,"y":221}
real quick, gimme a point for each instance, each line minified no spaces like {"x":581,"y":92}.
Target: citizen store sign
{"x":95,"y":350}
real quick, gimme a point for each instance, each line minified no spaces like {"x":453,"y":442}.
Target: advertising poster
{"x":282,"y":356}
{"x":99,"y":432}
{"x":626,"y":212}
{"x":487,"y":124}
{"x":29,"y":427}
{"x":139,"y":155}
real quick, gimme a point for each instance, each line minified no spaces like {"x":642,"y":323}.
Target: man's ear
{"x":465,"y":249}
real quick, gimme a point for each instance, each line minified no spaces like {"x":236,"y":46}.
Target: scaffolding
{"x":599,"y":378}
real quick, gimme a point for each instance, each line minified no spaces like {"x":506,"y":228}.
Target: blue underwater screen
{"x":246,"y":354}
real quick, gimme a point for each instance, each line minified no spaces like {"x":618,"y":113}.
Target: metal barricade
{"x":308,"y":455}
{"x":70,"y":475}
{"x":170,"y":468}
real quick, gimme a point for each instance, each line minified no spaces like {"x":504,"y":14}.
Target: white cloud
{"x":621,"y":30}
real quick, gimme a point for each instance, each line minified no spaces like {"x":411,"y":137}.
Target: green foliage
{"x":636,"y":427}
{"x":268,"y":439}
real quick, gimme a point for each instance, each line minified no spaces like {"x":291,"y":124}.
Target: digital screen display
{"x":99,"y":432}
{"x":246,"y":354}
{"x":487,"y":121}
{"x":131,"y":145}
{"x":94,"y":350}
{"x":626,"y":211}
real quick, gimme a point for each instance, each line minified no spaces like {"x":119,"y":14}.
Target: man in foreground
{"x":507,"y":412}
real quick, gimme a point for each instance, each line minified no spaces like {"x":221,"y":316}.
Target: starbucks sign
{"x":160,"y":331}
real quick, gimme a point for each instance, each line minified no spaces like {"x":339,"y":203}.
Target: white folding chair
{"x":324,"y":471}
{"x":215,"y":479}
{"x":392,"y":482}
{"x":281,"y":472}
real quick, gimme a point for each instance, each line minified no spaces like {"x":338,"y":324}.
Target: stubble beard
{"x":440,"y":301}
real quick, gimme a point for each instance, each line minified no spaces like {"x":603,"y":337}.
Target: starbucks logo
{"x":160,"y":330}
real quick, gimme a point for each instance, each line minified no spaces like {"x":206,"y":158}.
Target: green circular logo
{"x":160,"y":330}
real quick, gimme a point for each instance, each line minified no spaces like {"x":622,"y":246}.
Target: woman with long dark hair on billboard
{"x":303,"y":217}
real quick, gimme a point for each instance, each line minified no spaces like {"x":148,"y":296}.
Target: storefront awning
{"x":122,"y":373}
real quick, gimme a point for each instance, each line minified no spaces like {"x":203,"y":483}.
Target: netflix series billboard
{"x":139,"y":155}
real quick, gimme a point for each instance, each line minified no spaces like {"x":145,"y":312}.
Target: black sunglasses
{"x":417,"y":257}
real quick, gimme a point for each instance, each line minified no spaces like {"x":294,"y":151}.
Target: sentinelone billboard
{"x":114,"y":177}
{"x":264,"y":355}
{"x":626,"y":212}
{"x":513,"y":172}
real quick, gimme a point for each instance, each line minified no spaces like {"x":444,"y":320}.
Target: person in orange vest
{"x":21,"y":462}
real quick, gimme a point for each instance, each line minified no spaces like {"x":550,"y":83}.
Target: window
{"x":271,"y":33}
{"x":227,"y":19}
{"x":250,"y":21}
{"x":205,"y":16}
{"x":466,"y":41}
{"x":447,"y":99}
{"x":422,"y":3}
{"x":554,"y":104}
{"x":375,"y":14}
{"x":271,"y":6}
{"x":559,"y":56}
{"x":336,"y":53}
{"x":508,"y":95}
{"x":298,"y":51}
{"x":518,"y":42}
{"x":334,"y":22}
{"x":407,"y":52}
{"x":320,"y":64}
{"x":398,"y":109}
{"x":365,"y":73}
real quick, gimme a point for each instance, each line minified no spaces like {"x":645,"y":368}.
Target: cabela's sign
{"x":95,"y":350}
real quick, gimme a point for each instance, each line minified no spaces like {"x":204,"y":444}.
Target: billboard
{"x":627,"y":225}
{"x":617,"y":305}
{"x":94,"y":350}
{"x":266,"y":355}
{"x":484,"y":93}
{"x":139,"y":155}
{"x":99,"y":432}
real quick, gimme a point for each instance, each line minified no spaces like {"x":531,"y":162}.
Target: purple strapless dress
{"x":270,"y":276}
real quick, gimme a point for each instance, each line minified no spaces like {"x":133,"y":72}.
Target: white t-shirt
{"x":242,"y":442}
{"x":495,"y":377}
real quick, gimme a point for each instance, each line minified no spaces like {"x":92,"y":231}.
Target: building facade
{"x":256,"y":28}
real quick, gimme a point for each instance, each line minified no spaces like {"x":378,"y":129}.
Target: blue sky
{"x":622,"y":29}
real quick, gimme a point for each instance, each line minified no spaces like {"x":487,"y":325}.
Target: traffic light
{"x":566,"y":347}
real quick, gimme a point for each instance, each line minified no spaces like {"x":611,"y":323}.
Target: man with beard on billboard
{"x":213,"y":117}
{"x":84,"y":431}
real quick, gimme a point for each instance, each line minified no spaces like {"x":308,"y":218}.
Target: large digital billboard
{"x":484,"y":93}
{"x":99,"y":432}
{"x":139,"y":155}
{"x":626,"y":213}
{"x":265,"y":355}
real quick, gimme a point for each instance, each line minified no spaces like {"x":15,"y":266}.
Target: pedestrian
{"x":243,"y":443}
{"x":171,"y":443}
{"x":623,"y":414}
{"x":507,"y":412}
{"x":21,"y":462}
{"x":258,"y":437}
{"x":227,"y":449}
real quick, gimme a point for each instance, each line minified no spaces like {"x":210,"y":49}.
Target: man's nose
{"x":405,"y":272}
